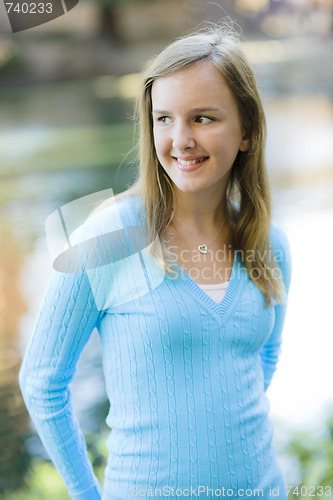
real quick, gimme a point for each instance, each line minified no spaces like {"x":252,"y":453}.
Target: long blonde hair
{"x":248,"y":196}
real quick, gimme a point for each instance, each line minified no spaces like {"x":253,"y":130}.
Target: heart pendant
{"x":202,"y":248}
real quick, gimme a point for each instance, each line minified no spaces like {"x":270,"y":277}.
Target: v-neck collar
{"x":219,"y":310}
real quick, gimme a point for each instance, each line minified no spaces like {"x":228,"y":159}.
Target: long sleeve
{"x":271,"y":350}
{"x":66,"y":320}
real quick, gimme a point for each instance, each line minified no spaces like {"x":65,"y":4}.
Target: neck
{"x":199,"y":211}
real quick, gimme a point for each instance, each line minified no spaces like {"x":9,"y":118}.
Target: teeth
{"x":190,"y":162}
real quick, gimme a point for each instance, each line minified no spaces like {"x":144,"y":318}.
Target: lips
{"x":186,"y":163}
{"x":190,"y":163}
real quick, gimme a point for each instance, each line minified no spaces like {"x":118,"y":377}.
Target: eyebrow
{"x":195,"y":110}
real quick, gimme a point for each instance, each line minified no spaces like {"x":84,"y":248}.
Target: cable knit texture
{"x":186,"y":377}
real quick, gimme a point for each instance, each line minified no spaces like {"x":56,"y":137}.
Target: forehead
{"x":198,"y":84}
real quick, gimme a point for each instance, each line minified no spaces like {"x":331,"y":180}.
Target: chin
{"x":190,"y":189}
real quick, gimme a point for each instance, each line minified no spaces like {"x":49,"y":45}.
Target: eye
{"x":204,"y":119}
{"x":163,"y":119}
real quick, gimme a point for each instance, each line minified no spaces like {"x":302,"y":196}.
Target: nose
{"x":183,"y":137}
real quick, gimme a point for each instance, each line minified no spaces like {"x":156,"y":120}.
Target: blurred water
{"x":299,"y":137}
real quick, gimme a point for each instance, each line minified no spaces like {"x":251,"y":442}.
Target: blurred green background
{"x":66,"y":130}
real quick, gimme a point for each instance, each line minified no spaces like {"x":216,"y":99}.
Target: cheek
{"x":227,"y":142}
{"x":214,"y":143}
{"x":161,"y":142}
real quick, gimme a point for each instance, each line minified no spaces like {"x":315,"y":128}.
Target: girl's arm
{"x":66,"y":320}
{"x":270,"y":352}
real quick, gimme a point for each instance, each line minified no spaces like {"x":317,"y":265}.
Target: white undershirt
{"x":216,"y":291}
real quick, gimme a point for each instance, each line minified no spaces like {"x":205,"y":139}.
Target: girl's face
{"x":197,"y":129}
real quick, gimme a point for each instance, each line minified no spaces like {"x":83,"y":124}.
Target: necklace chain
{"x":202,"y":247}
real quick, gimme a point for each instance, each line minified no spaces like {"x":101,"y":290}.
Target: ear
{"x":245,"y":144}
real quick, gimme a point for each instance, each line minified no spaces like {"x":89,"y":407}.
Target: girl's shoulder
{"x":107,"y":234}
{"x":126,"y":204}
{"x":112,"y":214}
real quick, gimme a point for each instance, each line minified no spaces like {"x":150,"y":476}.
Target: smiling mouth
{"x":187,"y":163}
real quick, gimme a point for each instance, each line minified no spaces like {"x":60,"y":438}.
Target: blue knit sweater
{"x":186,"y":377}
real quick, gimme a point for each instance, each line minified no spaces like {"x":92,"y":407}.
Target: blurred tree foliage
{"x":313,"y":455}
{"x":44,"y":481}
{"x":14,"y":458}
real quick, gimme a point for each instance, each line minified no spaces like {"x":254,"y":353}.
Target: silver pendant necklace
{"x":202,"y":247}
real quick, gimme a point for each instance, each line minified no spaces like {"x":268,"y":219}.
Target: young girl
{"x":186,"y":279}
